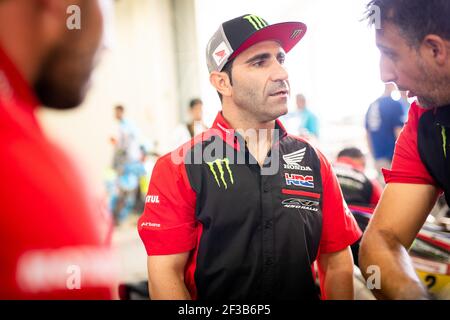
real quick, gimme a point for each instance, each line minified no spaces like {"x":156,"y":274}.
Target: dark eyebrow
{"x":265,"y":56}
{"x":262,"y":56}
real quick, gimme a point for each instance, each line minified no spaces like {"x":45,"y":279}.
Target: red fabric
{"x":168,"y":226}
{"x":191,"y":267}
{"x":301,"y":193}
{"x":49,"y":221}
{"x":339,"y":229}
{"x":407,"y":167}
{"x":377,"y":190}
{"x":354,"y":164}
{"x":367,"y":210}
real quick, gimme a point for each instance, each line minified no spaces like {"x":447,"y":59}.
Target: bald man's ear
{"x":221,"y":82}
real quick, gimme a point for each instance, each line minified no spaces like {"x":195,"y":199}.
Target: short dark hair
{"x":194,"y":102}
{"x":228,"y":69}
{"x":120,"y":108}
{"x":354,"y":153}
{"x":415,"y":18}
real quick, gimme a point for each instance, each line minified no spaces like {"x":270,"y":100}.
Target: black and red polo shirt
{"x":422,"y":152}
{"x":251,"y":235}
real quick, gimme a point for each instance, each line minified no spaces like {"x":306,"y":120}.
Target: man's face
{"x":301,"y":102}
{"x":118,"y":114}
{"x":64,"y":76}
{"x":197,"y":112}
{"x":260,"y":81}
{"x":409,"y":70}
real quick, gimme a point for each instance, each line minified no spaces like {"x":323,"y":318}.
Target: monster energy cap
{"x":239,"y":34}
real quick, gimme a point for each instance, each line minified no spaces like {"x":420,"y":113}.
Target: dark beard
{"x":439,"y":93}
{"x":56,"y":86}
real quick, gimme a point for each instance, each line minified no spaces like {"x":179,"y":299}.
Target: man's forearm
{"x":336,"y":275}
{"x":397,"y":275}
{"x":169,"y":287}
{"x":339,"y":285}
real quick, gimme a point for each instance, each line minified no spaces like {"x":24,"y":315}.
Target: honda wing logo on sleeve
{"x":293,"y":160}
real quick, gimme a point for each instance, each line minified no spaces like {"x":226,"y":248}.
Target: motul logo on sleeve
{"x":152,"y":199}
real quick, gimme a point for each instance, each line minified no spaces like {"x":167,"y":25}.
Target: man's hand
{"x":401,"y":213}
{"x":166,"y":277}
{"x":336,"y":274}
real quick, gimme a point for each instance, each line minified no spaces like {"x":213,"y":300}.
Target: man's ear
{"x":435,"y":48}
{"x":221,"y":82}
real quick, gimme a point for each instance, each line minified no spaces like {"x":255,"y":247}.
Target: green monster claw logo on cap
{"x":444,"y":141}
{"x":257,"y":22}
{"x":219,"y":163}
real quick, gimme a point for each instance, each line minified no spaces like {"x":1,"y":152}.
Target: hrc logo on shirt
{"x":299,"y":180}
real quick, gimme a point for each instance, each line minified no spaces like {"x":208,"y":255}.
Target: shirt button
{"x":269,"y":261}
{"x":266,"y":187}
{"x":268,"y":224}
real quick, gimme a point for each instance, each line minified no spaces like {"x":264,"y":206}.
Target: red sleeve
{"x":168,"y":224}
{"x":377,"y":190}
{"x":339,"y":229}
{"x":407,"y":167}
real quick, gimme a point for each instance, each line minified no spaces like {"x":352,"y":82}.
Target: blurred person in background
{"x":127,"y":145}
{"x":360,"y":192}
{"x":303,"y":121}
{"x":53,"y":232}
{"x":357,"y":188}
{"x":383,"y":122}
{"x":195,"y":125}
{"x":129,"y":161}
{"x":414,"y":40}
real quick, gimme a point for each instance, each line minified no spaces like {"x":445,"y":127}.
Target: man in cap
{"x":53,"y":234}
{"x":244,"y":210}
{"x":414,"y":40}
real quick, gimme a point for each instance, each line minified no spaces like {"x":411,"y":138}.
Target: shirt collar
{"x":228,"y":133}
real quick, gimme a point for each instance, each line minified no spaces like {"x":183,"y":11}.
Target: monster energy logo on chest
{"x":220,"y":164}
{"x":257,"y":22}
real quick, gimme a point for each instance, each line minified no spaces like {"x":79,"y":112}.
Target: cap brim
{"x":288,"y":34}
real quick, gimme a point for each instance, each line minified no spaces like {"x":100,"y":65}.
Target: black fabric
{"x":252,"y":246}
{"x":356,"y":187}
{"x":238,"y":30}
{"x":433,"y":132}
